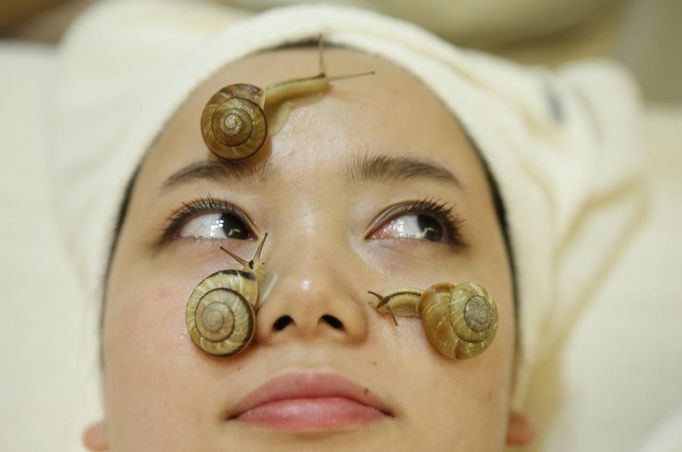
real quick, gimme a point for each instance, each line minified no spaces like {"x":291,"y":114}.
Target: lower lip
{"x":310,"y":413}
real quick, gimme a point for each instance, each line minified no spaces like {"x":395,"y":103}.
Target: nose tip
{"x":310,"y":309}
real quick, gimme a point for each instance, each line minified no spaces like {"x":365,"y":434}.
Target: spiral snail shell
{"x":233,"y":123}
{"x":221,"y":311}
{"x":460,"y":320}
{"x":236,"y":120}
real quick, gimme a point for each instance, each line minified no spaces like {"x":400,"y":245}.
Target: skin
{"x":161,"y":392}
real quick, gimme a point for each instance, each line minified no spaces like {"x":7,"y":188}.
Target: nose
{"x":314,"y":300}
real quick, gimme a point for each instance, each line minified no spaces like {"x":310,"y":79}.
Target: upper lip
{"x":308,"y":385}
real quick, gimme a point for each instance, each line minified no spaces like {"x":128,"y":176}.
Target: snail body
{"x":221,"y":311}
{"x":237,"y":119}
{"x":460,"y":321}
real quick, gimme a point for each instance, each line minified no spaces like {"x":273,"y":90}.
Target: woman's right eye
{"x":208,"y":218}
{"x":215,"y":225}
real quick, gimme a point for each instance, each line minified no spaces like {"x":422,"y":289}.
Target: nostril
{"x":282,"y":323}
{"x":333,"y":321}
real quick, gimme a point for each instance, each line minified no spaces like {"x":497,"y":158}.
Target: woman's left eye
{"x":218,"y":225}
{"x":415,"y":226}
{"x":428,"y":219}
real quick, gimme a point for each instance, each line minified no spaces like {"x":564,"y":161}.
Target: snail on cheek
{"x":221,"y":311}
{"x":460,"y":321}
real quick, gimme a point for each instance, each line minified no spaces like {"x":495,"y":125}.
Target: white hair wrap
{"x":562,"y":145}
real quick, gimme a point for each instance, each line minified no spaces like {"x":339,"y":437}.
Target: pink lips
{"x":303,"y":400}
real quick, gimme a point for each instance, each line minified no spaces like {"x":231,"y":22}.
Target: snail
{"x":221,"y":311}
{"x":460,"y":320}
{"x":238,"y":118}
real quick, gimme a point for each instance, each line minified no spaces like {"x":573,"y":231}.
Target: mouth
{"x":300,"y":401}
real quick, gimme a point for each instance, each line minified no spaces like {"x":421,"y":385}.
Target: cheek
{"x":143,"y":324}
{"x":462,"y":405}
{"x":148,"y":357}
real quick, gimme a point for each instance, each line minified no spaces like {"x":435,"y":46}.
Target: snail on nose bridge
{"x":237,"y":119}
{"x":460,"y":321}
{"x":221,"y":311}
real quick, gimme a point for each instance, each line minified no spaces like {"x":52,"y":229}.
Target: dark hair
{"x":501,"y":213}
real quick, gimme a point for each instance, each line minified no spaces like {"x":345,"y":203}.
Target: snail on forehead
{"x":237,"y":119}
{"x":460,"y":321}
{"x":221,"y":311}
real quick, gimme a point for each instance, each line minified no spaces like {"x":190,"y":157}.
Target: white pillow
{"x":617,"y":379}
{"x":48,"y":364}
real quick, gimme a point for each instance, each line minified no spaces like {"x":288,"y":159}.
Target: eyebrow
{"x":217,"y":171}
{"x":384,"y":168}
{"x":366,"y":168}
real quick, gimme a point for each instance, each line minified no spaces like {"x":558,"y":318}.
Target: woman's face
{"x":371,"y":186}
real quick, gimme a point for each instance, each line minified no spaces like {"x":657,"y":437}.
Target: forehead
{"x":387,"y":113}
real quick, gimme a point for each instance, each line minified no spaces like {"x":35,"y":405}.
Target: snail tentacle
{"x":266,"y":279}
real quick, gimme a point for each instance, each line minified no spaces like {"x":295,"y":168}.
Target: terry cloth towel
{"x":562,"y":144}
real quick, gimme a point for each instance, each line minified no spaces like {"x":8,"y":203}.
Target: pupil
{"x":430,"y":228}
{"x":233,"y":227}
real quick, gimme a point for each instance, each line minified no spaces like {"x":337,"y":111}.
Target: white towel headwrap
{"x":563,"y":145}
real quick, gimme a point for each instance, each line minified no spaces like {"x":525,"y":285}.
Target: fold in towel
{"x":562,"y":145}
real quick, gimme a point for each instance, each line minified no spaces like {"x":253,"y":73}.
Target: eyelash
{"x":189,"y":210}
{"x":441,"y":211}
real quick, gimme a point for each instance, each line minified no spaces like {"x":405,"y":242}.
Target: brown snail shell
{"x":460,"y":320}
{"x":233,"y":123}
{"x":220,"y":312}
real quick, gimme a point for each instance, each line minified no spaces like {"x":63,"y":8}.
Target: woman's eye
{"x":218,"y":225}
{"x":412,"y":226}
{"x":427,"y":219}
{"x":207,"y":218}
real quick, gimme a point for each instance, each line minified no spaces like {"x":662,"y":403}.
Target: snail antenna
{"x":242,"y":261}
{"x":320,"y":54}
{"x":256,"y":257}
{"x":382,"y":301}
{"x":334,"y":78}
